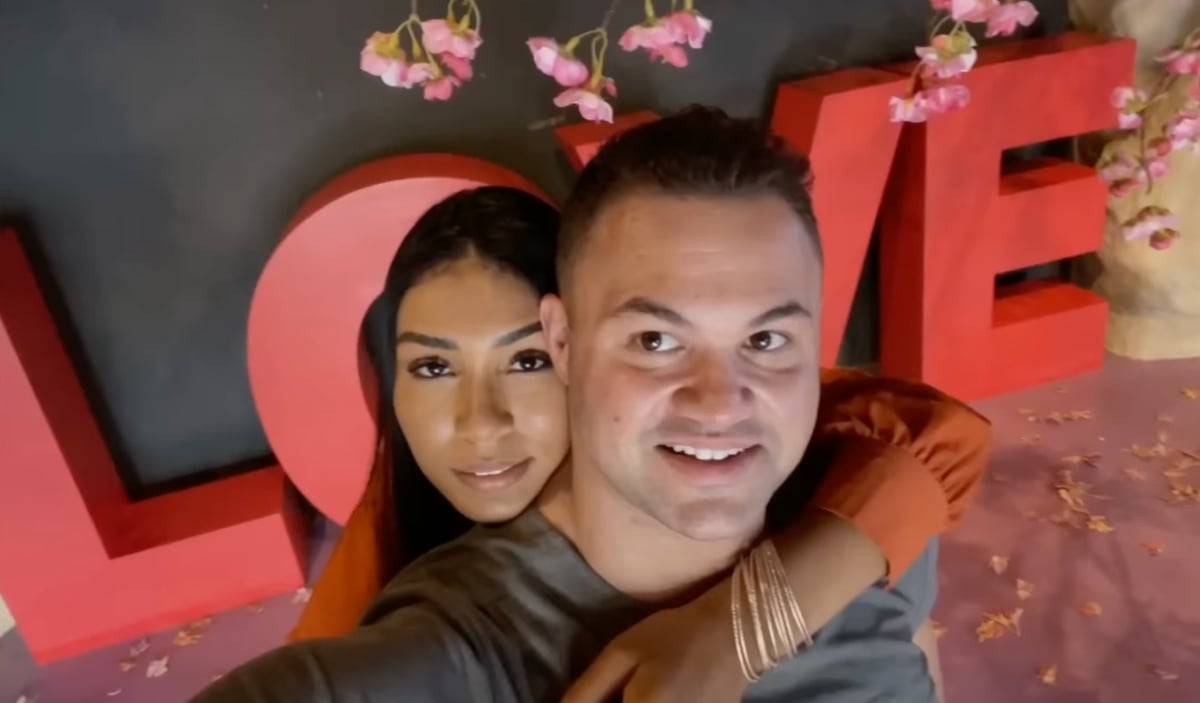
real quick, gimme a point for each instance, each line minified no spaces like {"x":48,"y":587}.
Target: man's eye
{"x":529,"y":361}
{"x":766,"y":341}
{"x":429,"y":368}
{"x":656,"y":342}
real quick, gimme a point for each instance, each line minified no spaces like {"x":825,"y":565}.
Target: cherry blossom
{"x":1004,"y":19}
{"x":439,"y":37}
{"x":1154,"y":223}
{"x":592,"y":105}
{"x":688,"y":26}
{"x":1129,"y":102}
{"x":587,"y":87}
{"x":663,"y":38}
{"x":441,"y":88}
{"x":438,"y":61}
{"x":558,"y":63}
{"x":909,"y":109}
{"x":948,"y":55}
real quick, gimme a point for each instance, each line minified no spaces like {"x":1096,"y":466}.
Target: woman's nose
{"x":483,"y":414}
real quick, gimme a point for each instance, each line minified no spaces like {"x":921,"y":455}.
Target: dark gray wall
{"x":155,"y":150}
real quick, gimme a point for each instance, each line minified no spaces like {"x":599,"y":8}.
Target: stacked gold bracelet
{"x":760,"y":585}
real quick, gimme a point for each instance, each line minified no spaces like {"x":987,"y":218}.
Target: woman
{"x":477,"y":424}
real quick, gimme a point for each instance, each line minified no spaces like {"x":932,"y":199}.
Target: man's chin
{"x":715,"y":520}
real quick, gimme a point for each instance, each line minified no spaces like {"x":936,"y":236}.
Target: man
{"x":690,"y":276}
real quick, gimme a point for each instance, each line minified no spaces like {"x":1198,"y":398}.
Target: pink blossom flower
{"x":910,"y":109}
{"x":674,"y":55}
{"x":1124,"y":173}
{"x":1164,"y":238}
{"x":1130,"y":103}
{"x":381,"y":53}
{"x":1119,"y":169}
{"x":441,"y":88}
{"x":402,"y":75}
{"x":1149,"y":221}
{"x":649,"y":35}
{"x":461,"y":68}
{"x":551,"y":60}
{"x":688,"y":27}
{"x":1181,"y":61}
{"x":659,"y":40}
{"x":948,"y":55}
{"x":1160,"y":146}
{"x":1157,"y":167}
{"x":970,"y":10}
{"x":1121,"y":188}
{"x":1004,"y":18}
{"x":1183,"y":131}
{"x":945,"y":97}
{"x":441,"y":38}
{"x":592,"y":106}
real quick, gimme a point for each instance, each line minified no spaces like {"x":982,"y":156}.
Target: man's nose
{"x":716,"y":396}
{"x":483,"y":416}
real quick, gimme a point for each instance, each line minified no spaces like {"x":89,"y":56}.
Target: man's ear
{"x":553,"y":314}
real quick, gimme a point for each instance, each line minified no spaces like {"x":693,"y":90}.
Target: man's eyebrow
{"x":426,"y":340}
{"x":645,"y":306}
{"x":791,"y":308}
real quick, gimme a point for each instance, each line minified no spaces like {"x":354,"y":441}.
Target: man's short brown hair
{"x":698,"y":151}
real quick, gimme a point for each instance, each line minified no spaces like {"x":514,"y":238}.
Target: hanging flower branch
{"x":932,"y":88}
{"x":1125,"y":173}
{"x":586,"y":85}
{"x":438,"y":61}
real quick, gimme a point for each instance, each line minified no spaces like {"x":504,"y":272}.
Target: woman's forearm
{"x":829,"y":563}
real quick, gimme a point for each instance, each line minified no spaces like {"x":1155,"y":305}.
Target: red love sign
{"x":91,"y":567}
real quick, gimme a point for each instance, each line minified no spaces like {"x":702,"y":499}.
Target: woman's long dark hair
{"x":504,"y":227}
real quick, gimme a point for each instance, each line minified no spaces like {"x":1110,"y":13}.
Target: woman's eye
{"x":657,"y":342}
{"x":528,"y":361}
{"x":766,"y":341}
{"x":429,"y":368}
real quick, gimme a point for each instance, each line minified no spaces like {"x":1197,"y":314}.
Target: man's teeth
{"x":704,"y":454}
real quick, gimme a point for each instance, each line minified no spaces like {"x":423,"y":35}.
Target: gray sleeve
{"x":919,"y":585}
{"x":411,"y":654}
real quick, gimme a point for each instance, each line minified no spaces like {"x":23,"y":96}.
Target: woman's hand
{"x":683,"y":654}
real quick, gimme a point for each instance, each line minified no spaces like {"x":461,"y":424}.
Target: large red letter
{"x":80,"y":565}
{"x":840,"y":121}
{"x":953,"y":221}
{"x":312,"y":384}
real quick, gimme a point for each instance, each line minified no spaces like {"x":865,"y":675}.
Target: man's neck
{"x":632,"y":551}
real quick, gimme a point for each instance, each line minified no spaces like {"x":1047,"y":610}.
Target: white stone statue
{"x":1153,"y":293}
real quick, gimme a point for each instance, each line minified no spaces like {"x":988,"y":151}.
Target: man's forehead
{"x":657,"y":241}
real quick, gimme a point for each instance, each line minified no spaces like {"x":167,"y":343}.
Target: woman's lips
{"x":493,"y":476}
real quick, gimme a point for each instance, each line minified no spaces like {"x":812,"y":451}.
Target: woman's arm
{"x":906,"y":460}
{"x":897,"y":463}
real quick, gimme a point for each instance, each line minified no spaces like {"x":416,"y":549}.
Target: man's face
{"x":689,"y":343}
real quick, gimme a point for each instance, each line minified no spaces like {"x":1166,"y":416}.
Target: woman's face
{"x":476,"y":397}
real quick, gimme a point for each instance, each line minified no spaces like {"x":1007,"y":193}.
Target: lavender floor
{"x":1107,"y":606}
